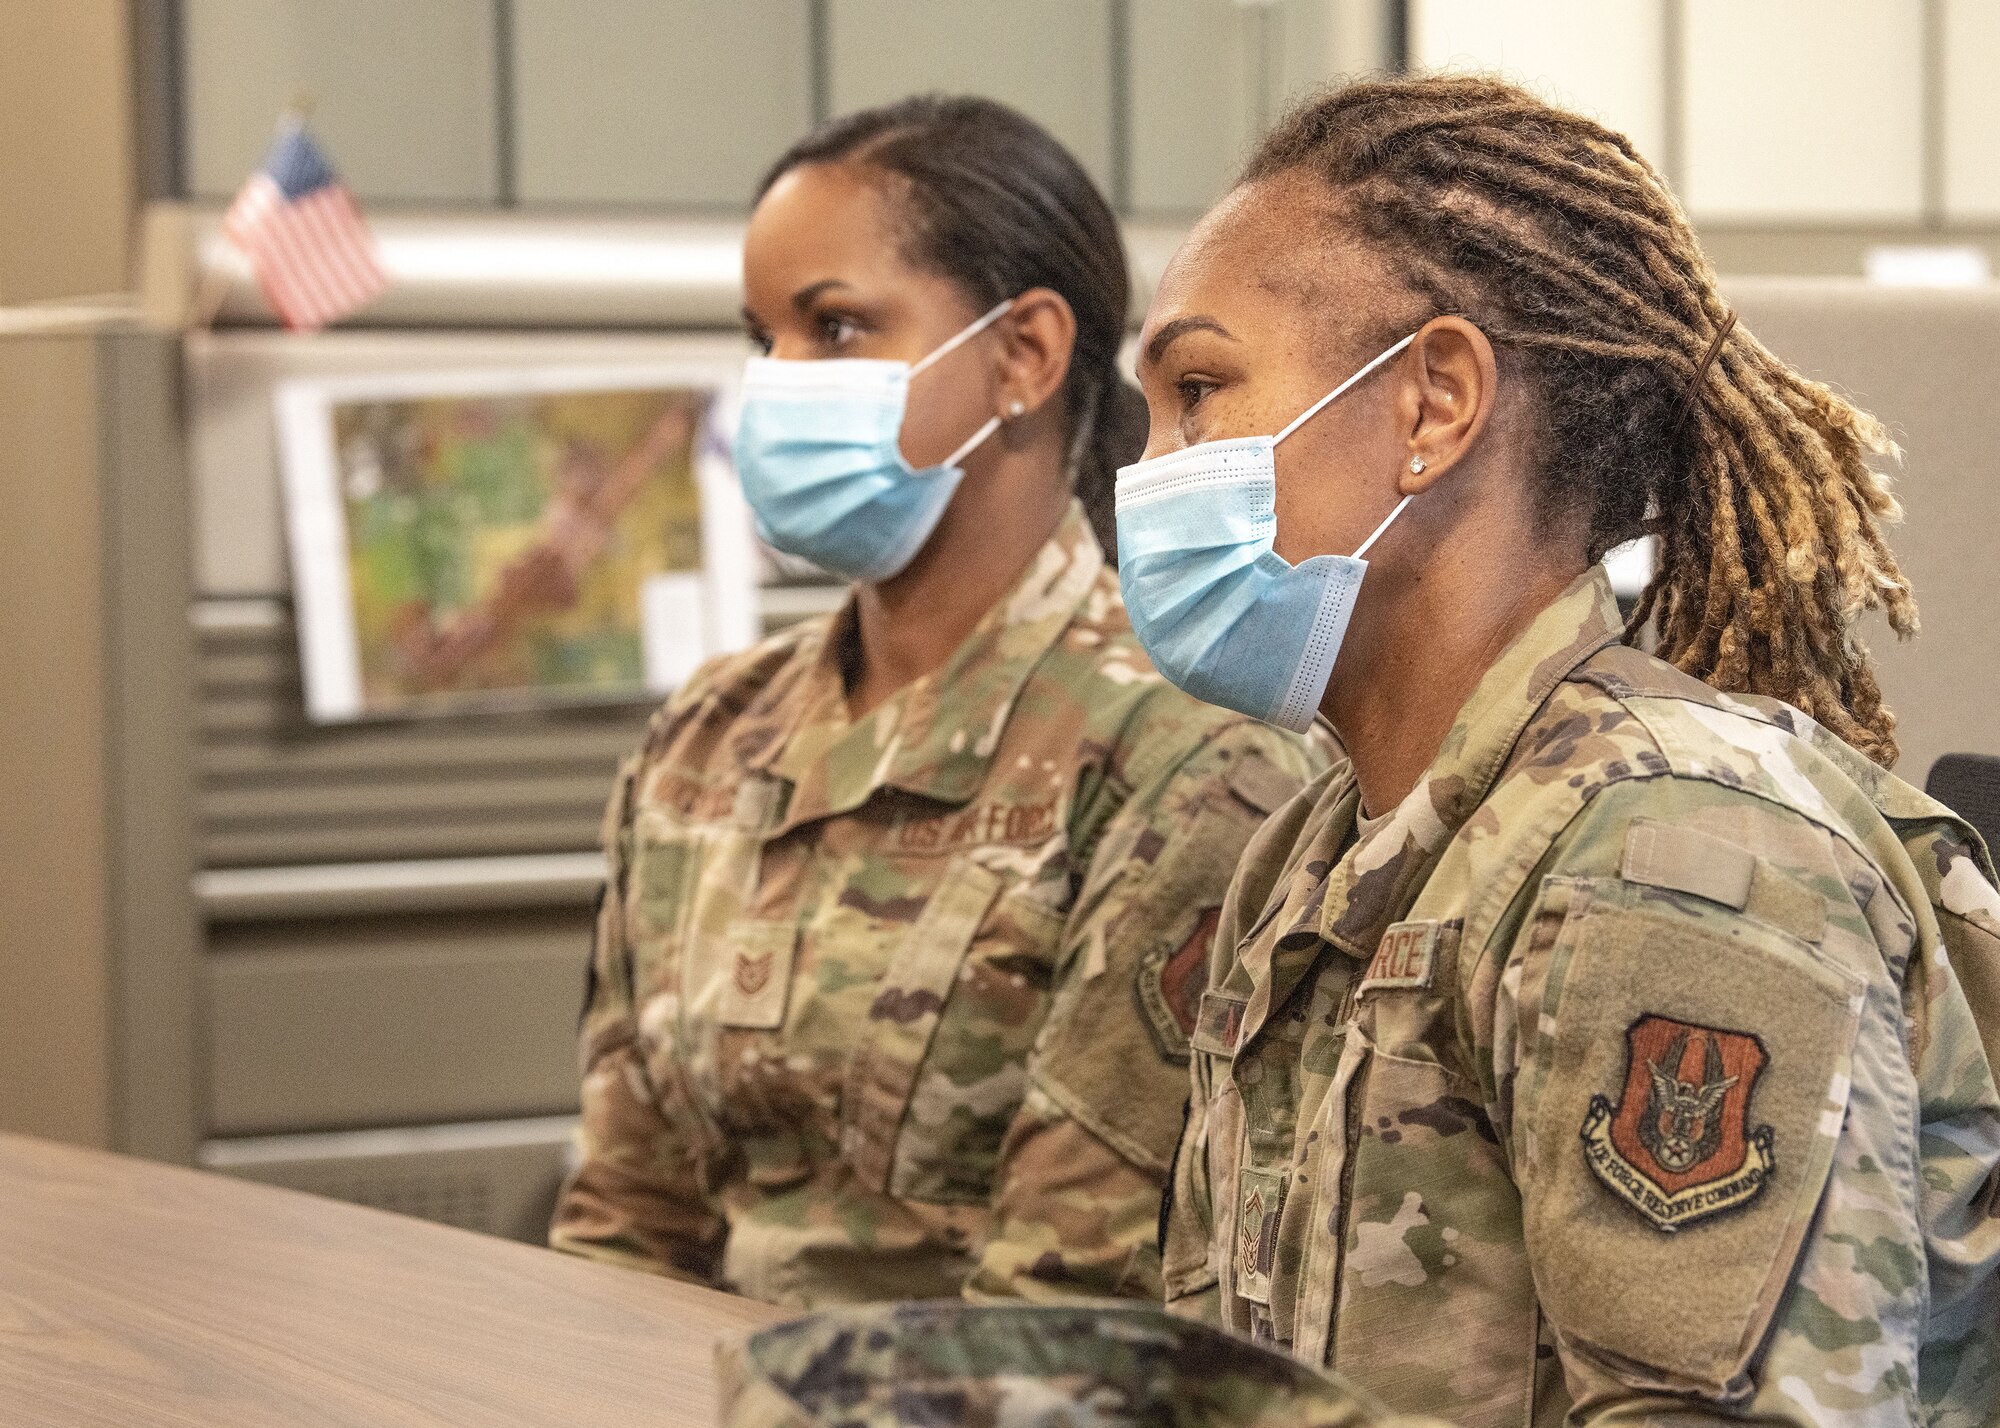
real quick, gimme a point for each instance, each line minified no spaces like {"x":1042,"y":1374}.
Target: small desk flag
{"x":304,"y":235}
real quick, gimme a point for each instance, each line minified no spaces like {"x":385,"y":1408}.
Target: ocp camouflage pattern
{"x":898,"y":1007}
{"x":1637,"y":1067}
{"x":1025,"y":1366}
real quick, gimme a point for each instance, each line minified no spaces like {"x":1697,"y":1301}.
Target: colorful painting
{"x":489,"y":541}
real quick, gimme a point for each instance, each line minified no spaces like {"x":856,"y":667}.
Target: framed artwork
{"x":506,"y":539}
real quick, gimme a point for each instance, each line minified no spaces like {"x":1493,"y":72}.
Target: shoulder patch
{"x":1678,"y":1146}
{"x":1170,"y":985}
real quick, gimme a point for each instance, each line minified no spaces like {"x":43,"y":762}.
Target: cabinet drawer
{"x":373,"y":1021}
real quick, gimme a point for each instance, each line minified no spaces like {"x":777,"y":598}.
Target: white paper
{"x":672,"y":640}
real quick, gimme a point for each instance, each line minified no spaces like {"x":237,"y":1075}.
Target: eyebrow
{"x":803,"y":298}
{"x":1179,"y":328}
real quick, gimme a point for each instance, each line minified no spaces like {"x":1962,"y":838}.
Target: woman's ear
{"x":1451,"y":382}
{"x":1037,"y":336}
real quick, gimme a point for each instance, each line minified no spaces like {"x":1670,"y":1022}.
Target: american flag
{"x":304,"y":236}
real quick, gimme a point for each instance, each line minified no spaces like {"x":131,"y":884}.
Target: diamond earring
{"x":1017,"y":408}
{"x":1416,"y":465}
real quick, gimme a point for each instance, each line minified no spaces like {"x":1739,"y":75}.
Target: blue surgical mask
{"x":819,"y":452}
{"x":1221,"y":613}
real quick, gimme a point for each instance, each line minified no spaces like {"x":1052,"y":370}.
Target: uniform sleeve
{"x":1077,"y":1194}
{"x":1707,"y":1107}
{"x":635,"y":1196}
{"x":1952,"y":999}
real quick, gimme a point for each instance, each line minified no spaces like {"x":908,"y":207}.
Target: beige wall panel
{"x":1972,"y":109}
{"x":404,"y":93}
{"x":1803,"y":110}
{"x":53,"y":934}
{"x":1050,"y":59}
{"x":1360,"y":37}
{"x":1606,"y":60}
{"x":1324,"y":41}
{"x":66,"y":172}
{"x":675,"y":102}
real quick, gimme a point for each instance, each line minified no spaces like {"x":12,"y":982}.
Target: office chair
{"x":1969,"y":785}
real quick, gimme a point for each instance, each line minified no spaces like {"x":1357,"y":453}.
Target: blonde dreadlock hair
{"x":1567,"y":249}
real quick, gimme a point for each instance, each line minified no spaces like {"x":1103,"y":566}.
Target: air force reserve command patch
{"x":1678,"y":1147}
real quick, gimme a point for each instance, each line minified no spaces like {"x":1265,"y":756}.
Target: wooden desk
{"x":134,"y":1294}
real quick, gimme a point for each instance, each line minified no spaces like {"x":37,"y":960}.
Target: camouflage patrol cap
{"x":1025,"y":1366}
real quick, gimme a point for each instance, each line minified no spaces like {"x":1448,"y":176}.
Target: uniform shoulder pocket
{"x":1690,"y":1076}
{"x":1116,"y":1048}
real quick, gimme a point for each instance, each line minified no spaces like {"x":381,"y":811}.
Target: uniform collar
{"x":936,"y":736}
{"x":1351,"y":899}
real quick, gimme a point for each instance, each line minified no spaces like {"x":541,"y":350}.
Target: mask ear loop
{"x":1314,"y":410}
{"x":993,"y":424}
{"x":950,"y":344}
{"x":1383,"y":527}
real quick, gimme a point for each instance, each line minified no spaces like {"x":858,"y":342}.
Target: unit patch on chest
{"x":1678,"y":1147}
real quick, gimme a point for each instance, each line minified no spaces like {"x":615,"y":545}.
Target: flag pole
{"x":209,"y":296}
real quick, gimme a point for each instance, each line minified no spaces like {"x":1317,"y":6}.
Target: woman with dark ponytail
{"x":909,"y":907}
{"x":1611,"y":1038}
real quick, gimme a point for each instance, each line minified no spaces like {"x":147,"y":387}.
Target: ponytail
{"x":1117,"y":437}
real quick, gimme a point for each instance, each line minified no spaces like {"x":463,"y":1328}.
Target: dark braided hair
{"x":990,"y":200}
{"x":1656,"y":410}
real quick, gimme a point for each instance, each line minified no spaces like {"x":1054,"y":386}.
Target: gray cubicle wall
{"x":1927,"y":361}
{"x":678,"y":105}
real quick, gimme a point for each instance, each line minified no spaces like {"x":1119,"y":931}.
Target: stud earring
{"x":1416,"y":465}
{"x":1017,"y":407}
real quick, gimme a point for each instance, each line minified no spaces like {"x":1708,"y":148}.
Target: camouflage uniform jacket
{"x":899,"y":1007}
{"x":1025,"y":1366}
{"x":1638,"y":1066}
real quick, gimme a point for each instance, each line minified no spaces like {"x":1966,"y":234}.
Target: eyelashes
{"x":1192,"y":391}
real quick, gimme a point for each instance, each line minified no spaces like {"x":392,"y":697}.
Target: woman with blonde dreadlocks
{"x":1611,"y":1037}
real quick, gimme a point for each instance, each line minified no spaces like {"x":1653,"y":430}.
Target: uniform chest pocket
{"x":664,"y":880}
{"x":942,"y":1062}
